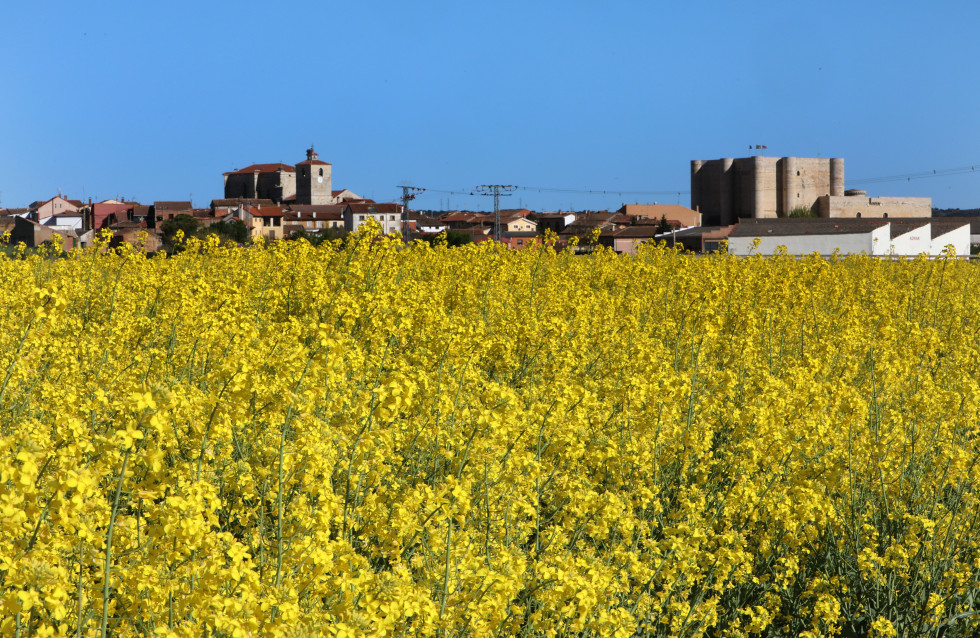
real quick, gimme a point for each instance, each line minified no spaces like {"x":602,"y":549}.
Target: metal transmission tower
{"x":498,"y":191}
{"x":408,"y":194}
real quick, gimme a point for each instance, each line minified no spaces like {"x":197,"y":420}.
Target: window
{"x":859,"y":213}
{"x":321,"y":172}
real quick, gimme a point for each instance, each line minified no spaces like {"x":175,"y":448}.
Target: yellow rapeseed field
{"x":370,"y":439}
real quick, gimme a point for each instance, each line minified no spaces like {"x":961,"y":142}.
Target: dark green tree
{"x":664,"y":226}
{"x":457,"y":238}
{"x":318,"y":237}
{"x":169,"y":228}
{"x":235,"y":230}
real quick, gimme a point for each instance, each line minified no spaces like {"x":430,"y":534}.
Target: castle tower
{"x":314,"y":183}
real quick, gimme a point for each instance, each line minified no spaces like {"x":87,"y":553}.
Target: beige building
{"x":761,"y":187}
{"x":39,"y":211}
{"x":671,"y":212}
{"x":856,"y":203}
{"x":728,"y":189}
{"x":264,"y":221}
{"x":388,"y":216}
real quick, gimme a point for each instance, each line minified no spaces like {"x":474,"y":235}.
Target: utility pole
{"x":408,"y":194}
{"x":498,"y":191}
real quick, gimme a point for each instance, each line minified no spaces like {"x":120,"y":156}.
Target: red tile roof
{"x":263,"y":168}
{"x":266,"y":211}
{"x":315,"y":162}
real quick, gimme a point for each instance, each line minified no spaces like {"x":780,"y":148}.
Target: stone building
{"x":313,"y":180}
{"x":856,"y":203}
{"x":761,"y":187}
{"x":309,"y":182}
{"x":276,"y":182}
{"x":769,"y":187}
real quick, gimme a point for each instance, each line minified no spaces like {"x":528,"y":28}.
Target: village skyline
{"x":583,"y":107}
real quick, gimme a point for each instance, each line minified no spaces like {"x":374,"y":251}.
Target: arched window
{"x":885,"y":215}
{"x":321,"y":172}
{"x":859,"y":213}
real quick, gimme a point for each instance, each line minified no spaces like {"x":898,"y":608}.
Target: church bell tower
{"x":314,"y":184}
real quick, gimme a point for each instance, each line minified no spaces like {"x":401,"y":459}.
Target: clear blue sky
{"x":156,"y":100}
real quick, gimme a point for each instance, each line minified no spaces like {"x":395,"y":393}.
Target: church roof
{"x":263,"y":168}
{"x":315,"y":162}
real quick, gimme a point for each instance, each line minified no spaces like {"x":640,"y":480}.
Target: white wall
{"x":806,"y":244}
{"x":875,"y":242}
{"x":958,"y":237}
{"x":914,"y":242}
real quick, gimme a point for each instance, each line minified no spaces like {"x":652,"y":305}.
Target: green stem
{"x":108,"y":545}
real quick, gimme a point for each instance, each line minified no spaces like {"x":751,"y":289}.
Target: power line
{"x":408,"y":194}
{"x":904,"y":177}
{"x":614,"y":191}
{"x":497,"y":191}
{"x":907,"y":177}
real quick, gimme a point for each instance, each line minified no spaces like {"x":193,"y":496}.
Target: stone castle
{"x":727,"y":189}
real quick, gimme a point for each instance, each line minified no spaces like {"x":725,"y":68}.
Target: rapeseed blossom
{"x":372,"y":439}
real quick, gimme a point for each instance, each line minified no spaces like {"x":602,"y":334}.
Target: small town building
{"x":682,"y":216}
{"x":388,"y":216}
{"x":882,"y":237}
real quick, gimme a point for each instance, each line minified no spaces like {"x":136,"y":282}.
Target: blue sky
{"x":156,"y":100}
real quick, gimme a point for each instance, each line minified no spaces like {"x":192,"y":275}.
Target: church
{"x":308,"y":182}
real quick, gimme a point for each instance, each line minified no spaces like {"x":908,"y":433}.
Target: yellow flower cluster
{"x":370,"y":439}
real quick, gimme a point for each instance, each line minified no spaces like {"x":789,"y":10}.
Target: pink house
{"x":54,"y":206}
{"x":105,"y":215}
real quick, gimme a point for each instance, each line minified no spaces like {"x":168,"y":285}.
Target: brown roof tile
{"x":224,"y":203}
{"x":266,"y":211}
{"x":172,"y":207}
{"x":315,"y":162}
{"x":263,"y":168}
{"x":786,"y":227}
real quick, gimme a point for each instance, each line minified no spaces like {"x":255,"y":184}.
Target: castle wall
{"x":861,"y":206}
{"x":760,"y":187}
{"x":804,"y":180}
